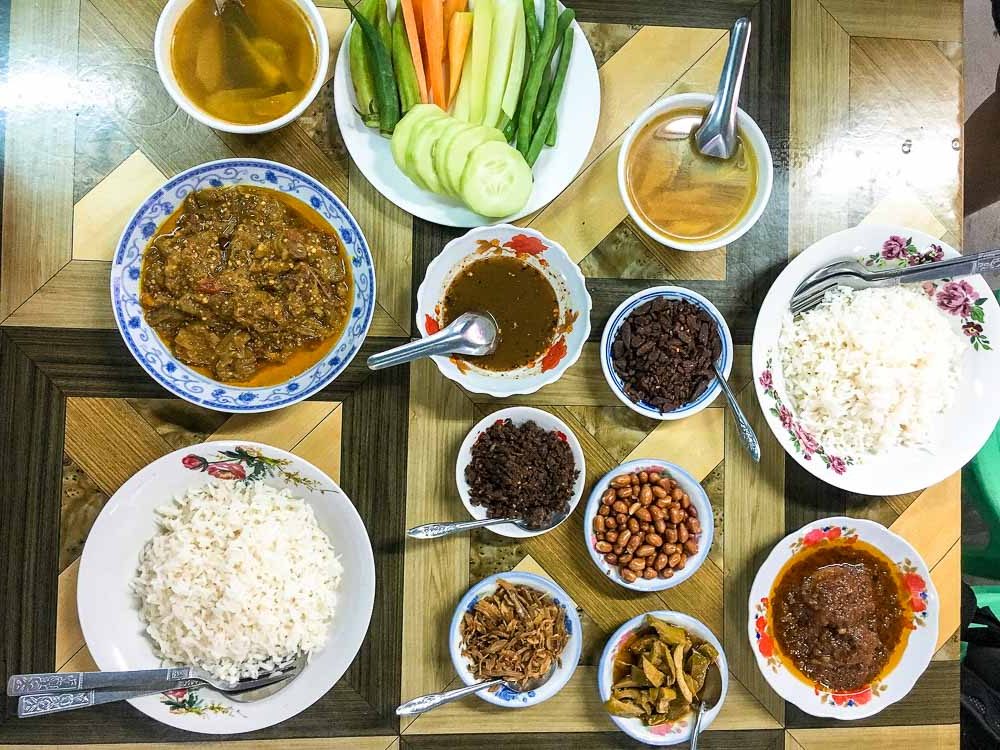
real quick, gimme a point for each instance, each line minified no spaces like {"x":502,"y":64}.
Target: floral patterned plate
{"x":963,"y":429}
{"x":157,"y":360}
{"x":674,"y":732}
{"x":554,"y":263}
{"x":109,"y":613}
{"x":920,"y":646}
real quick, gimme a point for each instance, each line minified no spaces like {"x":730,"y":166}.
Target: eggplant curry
{"x":246,"y":285}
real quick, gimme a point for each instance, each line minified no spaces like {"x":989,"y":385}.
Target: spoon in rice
{"x":433,"y":700}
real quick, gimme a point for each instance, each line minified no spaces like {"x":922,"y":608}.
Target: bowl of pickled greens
{"x":467,"y":112}
{"x":652,"y":674}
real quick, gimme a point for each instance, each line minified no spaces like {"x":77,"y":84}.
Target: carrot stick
{"x":451,"y":7}
{"x":458,"y":41}
{"x":413,"y":34}
{"x":433,"y":15}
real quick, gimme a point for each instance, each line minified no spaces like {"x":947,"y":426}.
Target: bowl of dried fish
{"x":652,"y":675}
{"x":518,"y":626}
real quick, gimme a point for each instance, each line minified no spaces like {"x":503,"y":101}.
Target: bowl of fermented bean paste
{"x":648,"y":525}
{"x":243,"y":285}
{"x":843,"y":618}
{"x":657,"y":351}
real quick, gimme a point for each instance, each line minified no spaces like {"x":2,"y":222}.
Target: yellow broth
{"x":678,"y":191}
{"x":249,"y":66}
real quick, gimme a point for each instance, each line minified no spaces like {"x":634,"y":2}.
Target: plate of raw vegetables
{"x":467,"y":112}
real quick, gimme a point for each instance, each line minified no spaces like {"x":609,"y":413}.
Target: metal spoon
{"x":433,"y":700}
{"x":711,"y":692}
{"x":470,"y":333}
{"x":447,"y":528}
{"x":717,"y":134}
{"x":747,"y":435}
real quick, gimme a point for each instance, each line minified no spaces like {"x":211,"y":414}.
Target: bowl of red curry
{"x":843,"y":618}
{"x":243,"y":285}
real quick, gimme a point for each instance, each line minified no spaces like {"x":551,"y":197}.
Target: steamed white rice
{"x":869,"y":370}
{"x":237,"y":579}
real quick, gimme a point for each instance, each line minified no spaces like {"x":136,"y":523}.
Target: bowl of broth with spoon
{"x":682,"y":198}
{"x":251,"y":68}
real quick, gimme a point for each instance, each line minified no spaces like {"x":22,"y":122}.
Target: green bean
{"x":565,"y":19}
{"x":531,"y":27}
{"x":402,"y":63}
{"x":550,"y":141}
{"x":385,"y":82}
{"x":529,"y":97}
{"x":549,"y":115}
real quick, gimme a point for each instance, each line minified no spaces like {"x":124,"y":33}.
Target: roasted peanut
{"x":611,"y":559}
{"x":682,"y":534}
{"x":693,"y":511}
{"x":599,"y":524}
{"x":622,"y":480}
{"x":643,"y":477}
{"x":635,"y":480}
{"x":645,"y":495}
{"x":649,"y":574}
{"x":624,"y":536}
{"x":685,"y":502}
{"x":660,"y":525}
{"x":645,"y":528}
{"x":624,"y":559}
{"x":603,"y":547}
{"x":654,"y":477}
{"x":682,"y":562}
{"x":633,"y":525}
{"x":619,"y":506}
{"x":691,"y":547}
{"x":624,"y":493}
{"x":637,"y":564}
{"x":633,"y":545}
{"x":657,"y":513}
{"x":660,"y":562}
{"x":619,"y":548}
{"x":666,"y":573}
{"x":645,"y":550}
{"x":655,"y":539}
{"x":670,"y":534}
{"x":658,"y":492}
{"x":634,"y":507}
{"x":674,"y":559}
{"x":694,"y":525}
{"x":676,"y":515}
{"x":663,"y":503}
{"x":664,"y":483}
{"x":628,"y":576}
{"x":611,"y":536}
{"x":621,"y":518}
{"x":676,"y":494}
{"x":643,"y":515}
{"x":610,"y":523}
{"x":604,"y":510}
{"x":670,"y":548}
{"x":608,"y":497}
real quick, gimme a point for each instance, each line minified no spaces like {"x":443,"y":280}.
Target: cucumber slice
{"x":421,"y":155}
{"x":409,"y":165}
{"x":497,"y":180}
{"x":405,"y":128}
{"x":440,"y":154}
{"x":458,"y":153}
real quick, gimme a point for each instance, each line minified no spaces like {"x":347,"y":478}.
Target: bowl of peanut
{"x":648,"y":525}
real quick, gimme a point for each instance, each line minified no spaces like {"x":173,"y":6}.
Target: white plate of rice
{"x":228,"y":555}
{"x":881,"y":391}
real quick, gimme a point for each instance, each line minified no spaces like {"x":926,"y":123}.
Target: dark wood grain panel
{"x":762,"y":739}
{"x":690,"y":13}
{"x":808,"y":498}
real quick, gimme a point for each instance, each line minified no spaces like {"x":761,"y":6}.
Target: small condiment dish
{"x":519,"y":415}
{"x":163,"y":39}
{"x":746,"y":128}
{"x":544,"y":255}
{"x":699,"y":499}
{"x":505,"y":697}
{"x":725,"y":361}
{"x":899,"y":679}
{"x":674,"y":732}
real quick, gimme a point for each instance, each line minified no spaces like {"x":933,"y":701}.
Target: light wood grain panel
{"x":591,"y":206}
{"x":109,"y":440}
{"x":436,"y":572}
{"x":884,"y":738}
{"x":754,"y":512}
{"x":709,"y":264}
{"x":820,"y":162}
{"x":696,"y":443}
{"x":947,"y":577}
{"x":100,"y":216}
{"x":575,"y":708}
{"x":940,"y":20}
{"x":319,"y":743}
{"x":389,"y":231}
{"x":69,"y":636}
{"x":791,"y":743}
{"x":933,"y":522}
{"x":81,"y":661}
{"x":903,"y":207}
{"x":282,"y":428}
{"x":39,"y":146}
{"x":336,"y":21}
{"x":322,"y":446}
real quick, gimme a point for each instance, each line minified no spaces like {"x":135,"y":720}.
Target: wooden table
{"x":860,"y":101}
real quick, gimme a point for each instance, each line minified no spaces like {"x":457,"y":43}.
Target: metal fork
{"x":853,"y":274}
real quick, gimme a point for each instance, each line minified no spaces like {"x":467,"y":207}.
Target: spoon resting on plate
{"x":471,"y":334}
{"x":447,"y":528}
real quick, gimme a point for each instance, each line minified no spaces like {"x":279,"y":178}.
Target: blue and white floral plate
{"x":153,"y":354}
{"x":506,"y":697}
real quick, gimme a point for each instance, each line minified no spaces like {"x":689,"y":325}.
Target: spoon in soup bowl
{"x":717,"y":135}
{"x":711,"y":692}
{"x":433,"y":700}
{"x":471,"y":334}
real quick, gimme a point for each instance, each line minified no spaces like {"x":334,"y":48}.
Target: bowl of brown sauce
{"x":252,"y":68}
{"x":682,"y":198}
{"x":243,"y":285}
{"x":843,"y":618}
{"x":533,"y":291}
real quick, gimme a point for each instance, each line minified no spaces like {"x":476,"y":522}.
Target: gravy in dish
{"x":249,"y":66}
{"x":678,"y":191}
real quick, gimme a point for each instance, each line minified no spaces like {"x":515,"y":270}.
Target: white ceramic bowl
{"x":699,"y":499}
{"x":618,"y":317}
{"x":578,"y":112}
{"x":746,"y":127}
{"x":553,"y":262}
{"x":156,"y":358}
{"x":814,"y":699}
{"x":963,"y":429}
{"x":109,"y":612}
{"x":505,"y":697}
{"x":518,"y":415}
{"x":672,"y":733}
{"x":169,"y":17}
